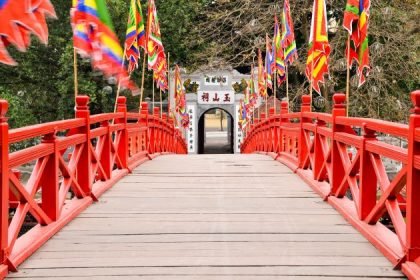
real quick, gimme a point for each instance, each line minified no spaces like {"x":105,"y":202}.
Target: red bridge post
{"x":84,"y":167}
{"x":50,"y":179}
{"x":4,"y":181}
{"x":303,"y":148}
{"x":283,"y":111}
{"x":123,"y":144}
{"x":413,"y":182}
{"x":338,"y":172}
{"x":144,"y":122}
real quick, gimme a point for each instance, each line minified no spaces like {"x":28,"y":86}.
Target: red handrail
{"x":341,"y":158}
{"x":74,"y":162}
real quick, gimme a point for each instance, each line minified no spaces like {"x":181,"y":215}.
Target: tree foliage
{"x":233,"y":31}
{"x":213,"y":32}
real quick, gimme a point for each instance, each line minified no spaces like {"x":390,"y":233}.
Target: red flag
{"x":356,"y":22}
{"x":319,"y":47}
{"x":20,"y":19}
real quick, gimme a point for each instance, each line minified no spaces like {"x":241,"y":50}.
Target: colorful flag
{"x":94,"y":38}
{"x":253,"y":97}
{"x":262,"y":90}
{"x":179,"y":89}
{"x":356,"y":22}
{"x":160,"y":74}
{"x":20,"y":19}
{"x":278,"y":50}
{"x":154,"y":41}
{"x":269,"y":62}
{"x":135,"y":36}
{"x":288,"y":41}
{"x":242,"y":115}
{"x":319,"y":48}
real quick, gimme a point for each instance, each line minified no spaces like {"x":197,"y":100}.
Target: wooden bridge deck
{"x":208,"y":217}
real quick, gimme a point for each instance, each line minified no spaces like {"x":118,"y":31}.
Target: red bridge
{"x":112,"y":213}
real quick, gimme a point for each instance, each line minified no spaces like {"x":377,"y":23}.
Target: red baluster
{"x":144,"y":122}
{"x":4,"y":181}
{"x":338,"y":172}
{"x":123,"y":145}
{"x":413,"y":182}
{"x":156,"y":130}
{"x":283,"y":111}
{"x":49,"y":180}
{"x":368,"y":180}
{"x":164,"y":145}
{"x":84,"y":167}
{"x":303,"y":147}
{"x":105,"y":157}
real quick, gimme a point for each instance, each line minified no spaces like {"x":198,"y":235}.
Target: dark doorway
{"x":215,"y":132}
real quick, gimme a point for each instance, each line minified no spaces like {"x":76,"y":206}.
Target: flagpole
{"x":76,"y":82}
{"x":348,"y":76}
{"x":142,"y":79}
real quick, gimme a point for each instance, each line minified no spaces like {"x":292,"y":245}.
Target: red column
{"x":318,"y":152}
{"x":123,"y":145}
{"x":172,"y":137}
{"x":49,"y":180}
{"x":271,"y":131}
{"x":413,"y":182}
{"x":4,"y":180}
{"x":303,"y":148}
{"x":156,"y":130}
{"x":144,"y":121}
{"x":84,"y":166}
{"x":164,"y":133}
{"x":338,"y":173}
{"x":105,"y":157}
{"x":283,"y":111}
{"x":368,"y":181}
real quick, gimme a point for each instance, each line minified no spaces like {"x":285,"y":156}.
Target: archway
{"x":215,"y":132}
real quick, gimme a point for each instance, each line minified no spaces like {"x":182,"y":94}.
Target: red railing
{"x":342,"y":159}
{"x":72,"y":164}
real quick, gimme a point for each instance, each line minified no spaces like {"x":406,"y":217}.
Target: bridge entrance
{"x":216,"y":132}
{"x":207,"y":91}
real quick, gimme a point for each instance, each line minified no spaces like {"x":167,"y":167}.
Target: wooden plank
{"x":210,"y":217}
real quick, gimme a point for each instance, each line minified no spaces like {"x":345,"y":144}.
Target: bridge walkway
{"x":208,"y":217}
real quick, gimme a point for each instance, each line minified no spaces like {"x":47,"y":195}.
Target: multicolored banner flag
{"x":154,"y":41}
{"x":160,"y":75}
{"x":319,"y":47}
{"x":179,"y":90}
{"x":253,"y":96}
{"x":288,"y":41}
{"x":356,"y":22}
{"x":278,"y":50}
{"x":180,"y":102}
{"x":135,"y":37}
{"x":269,"y":62}
{"x":18,"y":21}
{"x":262,"y":89}
{"x":94,"y":38}
{"x":242,"y":115}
